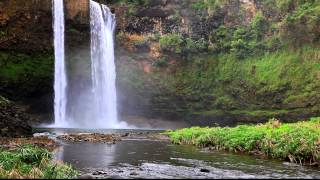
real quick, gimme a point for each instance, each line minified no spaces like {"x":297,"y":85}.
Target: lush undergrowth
{"x":34,"y":163}
{"x":298,"y":142}
{"x":281,"y":80}
{"x":25,"y":74}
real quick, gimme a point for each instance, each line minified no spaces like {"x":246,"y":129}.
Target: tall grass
{"x":32,"y":162}
{"x":298,"y":142}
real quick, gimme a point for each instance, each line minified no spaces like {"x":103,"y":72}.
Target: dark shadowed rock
{"x":204,"y":170}
{"x":13,"y":120}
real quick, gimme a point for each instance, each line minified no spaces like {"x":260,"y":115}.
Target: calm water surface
{"x":133,"y":158}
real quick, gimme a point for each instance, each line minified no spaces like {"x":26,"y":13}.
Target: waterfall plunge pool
{"x":149,"y":158}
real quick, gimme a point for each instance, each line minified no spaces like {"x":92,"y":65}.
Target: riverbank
{"x":32,"y":162}
{"x":133,"y":154}
{"x":296,"y":142}
{"x":34,"y":157}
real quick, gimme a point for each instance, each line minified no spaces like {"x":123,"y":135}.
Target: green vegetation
{"x":172,"y":42}
{"x":258,"y":59}
{"x":276,"y":81}
{"x":210,"y":5}
{"x":162,"y":62}
{"x":133,"y":5}
{"x":16,"y":65}
{"x":34,"y":163}
{"x":290,"y":22}
{"x":26,"y":72}
{"x":180,"y":45}
{"x":297,"y":142}
{"x":4,"y":101}
{"x":2,"y":34}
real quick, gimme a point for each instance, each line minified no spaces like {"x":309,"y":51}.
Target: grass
{"x":297,"y":142}
{"x":30,"y":162}
{"x":245,"y":112}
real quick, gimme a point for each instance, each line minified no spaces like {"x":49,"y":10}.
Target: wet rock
{"x":115,"y":177}
{"x":40,"y":141}
{"x":160,"y":137}
{"x":99,"y":173}
{"x":41,"y":134}
{"x":13,"y":120}
{"x":94,"y":137}
{"x":134,"y":174}
{"x":86,"y":176}
{"x":125,"y":135}
{"x":204,"y":170}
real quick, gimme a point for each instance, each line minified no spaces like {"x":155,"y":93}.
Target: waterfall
{"x":102,"y":24}
{"x":60,"y":80}
{"x":96,"y":103}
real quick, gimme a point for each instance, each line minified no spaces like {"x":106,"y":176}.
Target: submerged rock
{"x":94,"y":137}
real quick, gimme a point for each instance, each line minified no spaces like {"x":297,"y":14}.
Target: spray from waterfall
{"x":60,"y":80}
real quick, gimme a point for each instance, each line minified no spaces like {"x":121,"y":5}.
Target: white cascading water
{"x":60,"y":80}
{"x":102,"y":24}
{"x":100,"y":103}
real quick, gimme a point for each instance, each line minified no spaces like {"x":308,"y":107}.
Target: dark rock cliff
{"x":13,"y":120}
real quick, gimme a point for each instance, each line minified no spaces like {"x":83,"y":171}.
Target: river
{"x":150,"y":158}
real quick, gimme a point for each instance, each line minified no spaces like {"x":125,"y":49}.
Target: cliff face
{"x":20,"y":25}
{"x":13,"y":120}
{"x":27,"y":25}
{"x":169,"y":60}
{"x":168,"y":55}
{"x":26,"y":49}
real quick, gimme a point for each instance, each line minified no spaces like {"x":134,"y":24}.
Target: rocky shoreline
{"x":41,"y":141}
{"x":53,"y":141}
{"x":90,"y":137}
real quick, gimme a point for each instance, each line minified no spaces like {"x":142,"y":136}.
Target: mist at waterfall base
{"x":87,"y":99}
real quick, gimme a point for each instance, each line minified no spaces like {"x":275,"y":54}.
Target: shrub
{"x":196,"y":45}
{"x":178,"y":44}
{"x":172,"y":42}
{"x":162,"y":62}
{"x":259,"y":24}
{"x":301,"y":25}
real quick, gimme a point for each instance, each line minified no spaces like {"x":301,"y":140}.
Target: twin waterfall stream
{"x":103,"y":104}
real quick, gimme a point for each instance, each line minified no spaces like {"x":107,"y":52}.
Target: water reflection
{"x":157,"y":156}
{"x":87,"y":155}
